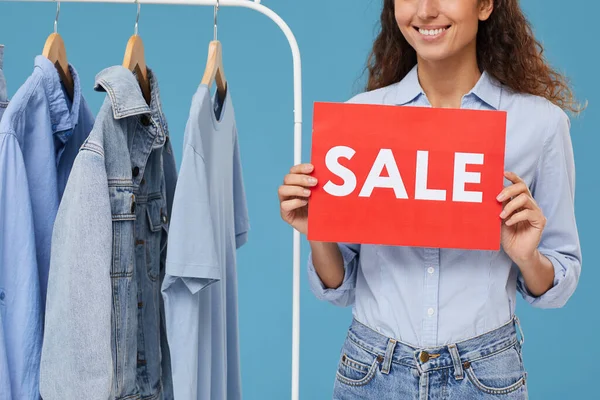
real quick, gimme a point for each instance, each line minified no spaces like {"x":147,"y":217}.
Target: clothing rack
{"x":257,"y":6}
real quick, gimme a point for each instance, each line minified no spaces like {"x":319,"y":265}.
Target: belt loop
{"x":387,"y":360}
{"x":458,"y":369}
{"x":518,"y":323}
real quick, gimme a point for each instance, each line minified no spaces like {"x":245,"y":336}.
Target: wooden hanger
{"x":214,"y":69}
{"x":214,"y":64}
{"x":54,"y":50}
{"x":134,"y":60}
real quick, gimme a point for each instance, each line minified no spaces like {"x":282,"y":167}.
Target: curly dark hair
{"x":506,"y":49}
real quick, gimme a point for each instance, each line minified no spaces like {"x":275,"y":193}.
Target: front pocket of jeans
{"x":356,"y":367}
{"x":499,"y":374}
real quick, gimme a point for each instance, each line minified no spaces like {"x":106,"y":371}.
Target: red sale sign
{"x":407,"y":176}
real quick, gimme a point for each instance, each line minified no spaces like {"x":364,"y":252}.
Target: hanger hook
{"x":216,"y":12}
{"x":56,"y":18}
{"x":137,"y":18}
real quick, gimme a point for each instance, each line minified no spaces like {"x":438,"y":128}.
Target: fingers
{"x":302,"y":169}
{"x":299,"y":180}
{"x":293,"y":191}
{"x":513,"y":191}
{"x":297,"y":183}
{"x":511,"y":176}
{"x":534,"y":217}
{"x":291,"y":205}
{"x":521,"y":201}
{"x":518,"y":187}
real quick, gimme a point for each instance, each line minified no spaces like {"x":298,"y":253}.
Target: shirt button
{"x":2,"y":295}
{"x":430,"y":270}
{"x":136,"y":171}
{"x":430,"y":312}
{"x":145,"y":120}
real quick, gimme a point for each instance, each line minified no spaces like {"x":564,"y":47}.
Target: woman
{"x":440,"y":323}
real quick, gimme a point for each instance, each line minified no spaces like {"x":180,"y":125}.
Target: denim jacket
{"x":104,"y":335}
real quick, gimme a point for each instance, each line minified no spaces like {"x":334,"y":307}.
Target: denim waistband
{"x":454,"y":355}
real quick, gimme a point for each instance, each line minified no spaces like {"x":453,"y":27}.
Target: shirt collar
{"x":62,"y":118}
{"x":408,"y":88}
{"x":487,"y":89}
{"x":123,"y":90}
{"x":127,"y":100}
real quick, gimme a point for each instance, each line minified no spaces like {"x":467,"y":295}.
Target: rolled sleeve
{"x":343,"y":296}
{"x":554,"y":191}
{"x":566,"y":276}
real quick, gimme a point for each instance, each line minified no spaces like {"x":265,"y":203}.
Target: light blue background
{"x":561,"y":353}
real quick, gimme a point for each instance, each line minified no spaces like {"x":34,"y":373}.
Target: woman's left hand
{"x":523,"y":221}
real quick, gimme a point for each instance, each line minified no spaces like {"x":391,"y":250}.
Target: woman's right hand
{"x":294,"y":194}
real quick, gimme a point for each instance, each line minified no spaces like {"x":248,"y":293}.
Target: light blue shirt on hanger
{"x":209,"y":221}
{"x":429,"y":297}
{"x":40,"y":134}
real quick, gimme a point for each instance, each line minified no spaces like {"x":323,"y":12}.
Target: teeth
{"x":431,"y":32}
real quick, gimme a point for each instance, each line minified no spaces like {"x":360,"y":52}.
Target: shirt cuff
{"x":342,"y":293}
{"x":566,"y":276}
{"x":195,"y":276}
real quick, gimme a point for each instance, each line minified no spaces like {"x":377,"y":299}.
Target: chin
{"x":432,"y":55}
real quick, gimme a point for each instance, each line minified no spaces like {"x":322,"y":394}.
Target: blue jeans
{"x":489,"y":366}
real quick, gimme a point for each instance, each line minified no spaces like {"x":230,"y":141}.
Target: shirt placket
{"x":431,"y":305}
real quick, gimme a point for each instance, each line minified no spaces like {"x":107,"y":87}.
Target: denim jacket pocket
{"x":156,"y":220}
{"x":123,"y":203}
{"x":501,"y":373}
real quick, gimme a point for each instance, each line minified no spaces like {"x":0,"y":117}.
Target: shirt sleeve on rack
{"x":191,"y":252}
{"x":343,"y":296}
{"x":554,"y":191}
{"x":21,"y":331}
{"x":77,"y":352}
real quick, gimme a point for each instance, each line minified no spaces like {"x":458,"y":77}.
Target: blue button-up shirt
{"x":40,"y":135}
{"x":430,"y":297}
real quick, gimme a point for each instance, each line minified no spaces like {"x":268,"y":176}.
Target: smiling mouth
{"x":431,"y":32}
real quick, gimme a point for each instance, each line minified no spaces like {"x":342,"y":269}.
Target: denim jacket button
{"x":145,"y":120}
{"x":136,"y":171}
{"x":133,"y":204}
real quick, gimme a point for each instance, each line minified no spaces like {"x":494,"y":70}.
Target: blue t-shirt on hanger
{"x":209,"y":222}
